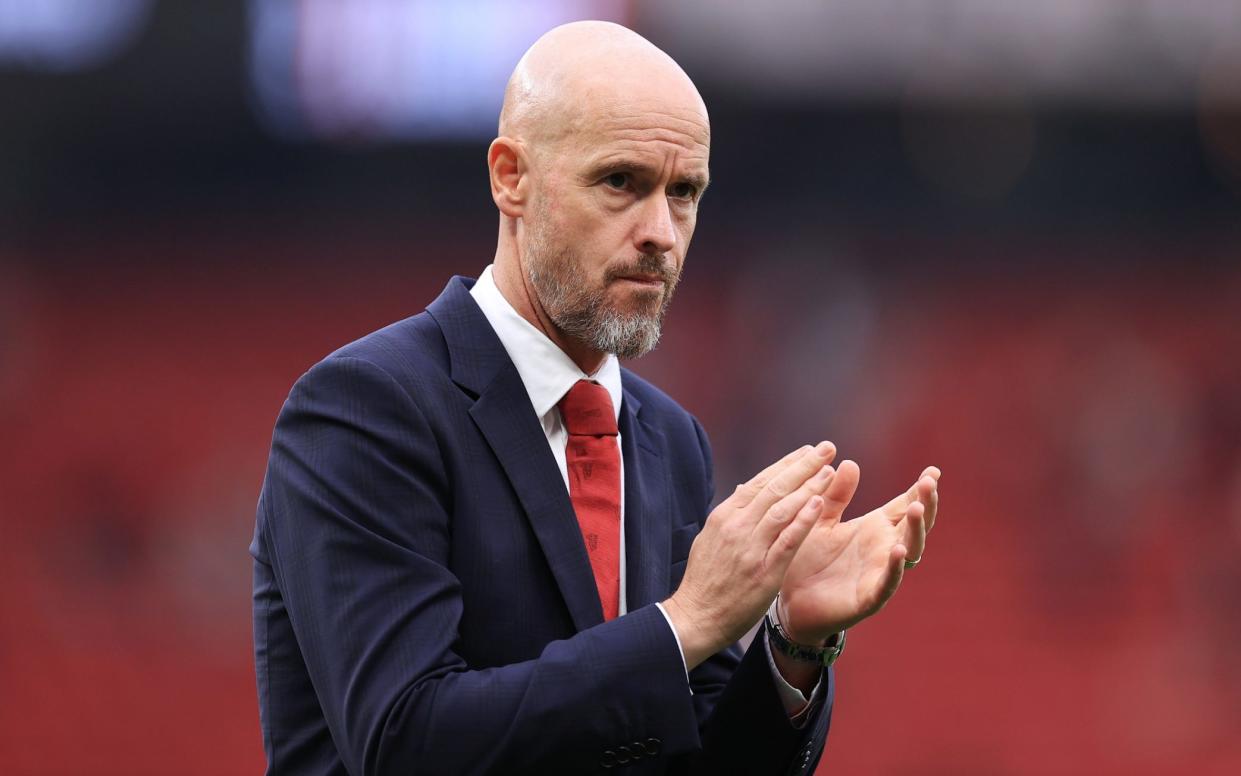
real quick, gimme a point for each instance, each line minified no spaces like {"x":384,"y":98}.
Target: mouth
{"x":645,"y":281}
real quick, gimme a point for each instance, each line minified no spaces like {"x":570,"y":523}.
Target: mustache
{"x":647,"y":264}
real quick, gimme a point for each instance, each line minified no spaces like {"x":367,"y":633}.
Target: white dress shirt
{"x":547,"y":374}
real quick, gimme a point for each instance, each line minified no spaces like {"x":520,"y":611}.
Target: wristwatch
{"x":780,"y":642}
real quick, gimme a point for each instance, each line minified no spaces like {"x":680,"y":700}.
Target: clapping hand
{"x":739,"y":560}
{"x":845,"y":572}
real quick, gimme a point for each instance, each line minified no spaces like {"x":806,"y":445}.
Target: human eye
{"x":616,"y":180}
{"x":684,"y":190}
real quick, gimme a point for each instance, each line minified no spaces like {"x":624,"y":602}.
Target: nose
{"x":656,"y":232}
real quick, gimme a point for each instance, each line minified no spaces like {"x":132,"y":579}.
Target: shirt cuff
{"x":796,"y":705}
{"x":681,"y":649}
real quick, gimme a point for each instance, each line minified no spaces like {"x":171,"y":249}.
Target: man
{"x":474,"y":521}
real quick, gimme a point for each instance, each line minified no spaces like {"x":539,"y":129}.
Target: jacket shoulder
{"x":409,"y":346}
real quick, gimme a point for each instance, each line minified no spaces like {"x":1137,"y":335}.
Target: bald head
{"x":578,"y":71}
{"x":597,"y":173}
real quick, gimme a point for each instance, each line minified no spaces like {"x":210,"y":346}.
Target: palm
{"x":846,"y":571}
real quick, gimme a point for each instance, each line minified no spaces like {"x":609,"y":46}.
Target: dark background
{"x":1035,"y":287}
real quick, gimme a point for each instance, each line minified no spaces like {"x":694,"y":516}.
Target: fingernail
{"x":823,"y":449}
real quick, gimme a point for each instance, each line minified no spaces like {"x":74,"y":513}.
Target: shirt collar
{"x":545,"y":370}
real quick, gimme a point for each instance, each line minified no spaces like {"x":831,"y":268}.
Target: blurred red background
{"x":1040,"y":294}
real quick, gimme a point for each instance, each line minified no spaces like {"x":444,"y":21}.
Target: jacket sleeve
{"x":354,"y":522}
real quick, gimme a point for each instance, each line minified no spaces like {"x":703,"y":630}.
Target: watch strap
{"x":824,"y":655}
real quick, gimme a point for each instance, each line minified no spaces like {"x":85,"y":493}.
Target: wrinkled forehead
{"x":680,"y":123}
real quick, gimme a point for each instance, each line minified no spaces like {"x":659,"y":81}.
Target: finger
{"x":893,"y":572}
{"x":776,"y":519}
{"x":840,"y":492}
{"x":780,"y":553}
{"x":746,"y":491}
{"x":924,"y":489}
{"x":928,"y":494}
{"x":790,"y":478}
{"x":915,"y":530}
{"x":761,"y":478}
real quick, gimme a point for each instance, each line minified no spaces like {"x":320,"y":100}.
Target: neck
{"x":513,"y":281}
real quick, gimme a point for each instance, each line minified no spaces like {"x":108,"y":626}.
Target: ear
{"x":510,"y":178}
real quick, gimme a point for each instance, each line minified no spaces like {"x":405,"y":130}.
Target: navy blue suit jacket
{"x":423,"y":602}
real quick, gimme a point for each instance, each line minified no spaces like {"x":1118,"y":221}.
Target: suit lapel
{"x":646,"y":508}
{"x":503,"y":414}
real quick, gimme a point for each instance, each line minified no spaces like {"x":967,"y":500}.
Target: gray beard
{"x":582,"y":312}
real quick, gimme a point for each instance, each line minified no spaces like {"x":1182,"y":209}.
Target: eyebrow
{"x":600,"y":169}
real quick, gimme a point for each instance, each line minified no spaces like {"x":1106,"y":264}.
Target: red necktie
{"x":593,"y":460}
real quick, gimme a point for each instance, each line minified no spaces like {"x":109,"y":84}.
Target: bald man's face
{"x":614,"y":209}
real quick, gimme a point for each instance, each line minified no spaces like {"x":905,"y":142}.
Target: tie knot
{"x":587,"y":409}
